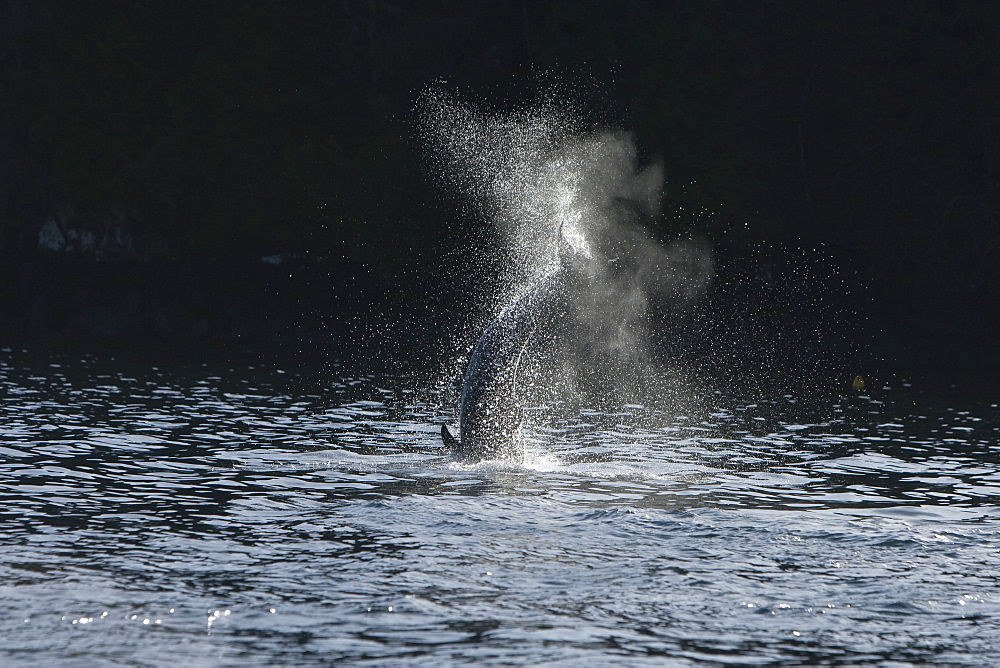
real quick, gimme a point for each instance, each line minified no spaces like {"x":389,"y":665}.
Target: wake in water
{"x":570,"y":326}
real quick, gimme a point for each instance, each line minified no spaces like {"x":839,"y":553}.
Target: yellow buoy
{"x":859,"y":382}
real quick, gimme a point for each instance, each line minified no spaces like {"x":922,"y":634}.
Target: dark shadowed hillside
{"x":188,"y":172}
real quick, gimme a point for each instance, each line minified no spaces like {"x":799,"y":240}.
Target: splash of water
{"x":537,"y":174}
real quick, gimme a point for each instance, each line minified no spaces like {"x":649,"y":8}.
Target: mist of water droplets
{"x":540,"y":173}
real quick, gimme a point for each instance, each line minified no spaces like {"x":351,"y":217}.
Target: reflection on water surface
{"x":213,"y":514}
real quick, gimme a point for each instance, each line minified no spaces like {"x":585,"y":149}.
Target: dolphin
{"x":489,"y":413}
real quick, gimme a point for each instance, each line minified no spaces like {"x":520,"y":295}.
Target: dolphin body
{"x":490,"y":415}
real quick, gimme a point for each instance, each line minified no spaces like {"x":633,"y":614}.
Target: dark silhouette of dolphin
{"x":490,"y":414}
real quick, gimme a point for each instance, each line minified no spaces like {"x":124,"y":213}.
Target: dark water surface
{"x":202,"y":515}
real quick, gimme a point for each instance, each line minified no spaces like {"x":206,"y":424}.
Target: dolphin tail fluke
{"x":450,"y":441}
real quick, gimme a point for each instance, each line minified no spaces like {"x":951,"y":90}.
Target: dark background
{"x":175,"y":144}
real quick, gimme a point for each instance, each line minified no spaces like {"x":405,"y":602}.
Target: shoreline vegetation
{"x":154,"y":156}
{"x":321,"y":310}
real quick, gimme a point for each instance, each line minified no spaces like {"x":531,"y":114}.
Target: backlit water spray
{"x":551,"y":188}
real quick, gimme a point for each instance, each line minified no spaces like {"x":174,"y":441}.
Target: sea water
{"x":249,"y":514}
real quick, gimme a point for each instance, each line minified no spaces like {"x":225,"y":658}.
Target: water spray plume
{"x":571,"y":307}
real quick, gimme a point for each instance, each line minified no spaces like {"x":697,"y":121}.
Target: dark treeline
{"x":158,"y":132}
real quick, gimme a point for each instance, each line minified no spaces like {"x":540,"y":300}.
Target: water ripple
{"x":206,"y":516}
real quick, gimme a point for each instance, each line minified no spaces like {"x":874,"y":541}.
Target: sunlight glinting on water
{"x":246,"y":510}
